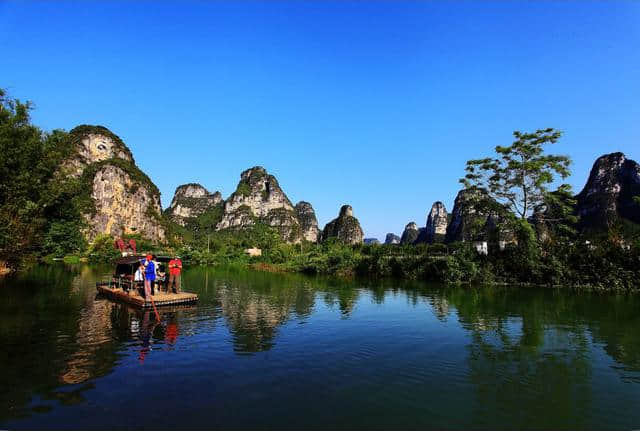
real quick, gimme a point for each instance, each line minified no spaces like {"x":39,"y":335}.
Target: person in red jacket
{"x":175,"y":269}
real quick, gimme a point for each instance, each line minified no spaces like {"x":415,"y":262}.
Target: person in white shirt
{"x":138,"y":277}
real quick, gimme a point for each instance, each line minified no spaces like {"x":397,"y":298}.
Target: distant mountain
{"x":392,"y":238}
{"x":410,"y":233}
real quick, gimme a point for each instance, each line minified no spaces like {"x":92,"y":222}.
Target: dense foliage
{"x":37,"y":209}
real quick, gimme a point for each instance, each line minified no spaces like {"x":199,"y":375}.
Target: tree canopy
{"x":36,"y":213}
{"x":520,"y":174}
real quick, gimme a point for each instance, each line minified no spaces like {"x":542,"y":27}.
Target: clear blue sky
{"x":376,"y":104}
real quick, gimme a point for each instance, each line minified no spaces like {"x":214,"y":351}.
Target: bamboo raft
{"x":132,"y":297}
{"x":121,"y":287}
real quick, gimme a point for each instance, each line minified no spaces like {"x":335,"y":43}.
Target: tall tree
{"x":20,"y":180}
{"x":38,"y":211}
{"x":519,"y":176}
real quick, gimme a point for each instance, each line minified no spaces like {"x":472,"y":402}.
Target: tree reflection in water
{"x":527,"y":355}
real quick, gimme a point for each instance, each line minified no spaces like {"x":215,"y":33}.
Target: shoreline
{"x":353,"y":273}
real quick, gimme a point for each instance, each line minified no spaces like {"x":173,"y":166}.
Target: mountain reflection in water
{"x":290,"y":351}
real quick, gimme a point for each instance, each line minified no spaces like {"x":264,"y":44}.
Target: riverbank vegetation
{"x":602,"y":265}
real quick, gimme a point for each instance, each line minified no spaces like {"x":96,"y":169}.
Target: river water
{"x":282,"y":351}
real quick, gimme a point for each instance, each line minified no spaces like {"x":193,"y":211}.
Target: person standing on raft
{"x":175,"y":268}
{"x":149,"y":276}
{"x":138,"y":278}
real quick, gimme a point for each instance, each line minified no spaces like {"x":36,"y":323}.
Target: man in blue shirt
{"x":149,"y":276}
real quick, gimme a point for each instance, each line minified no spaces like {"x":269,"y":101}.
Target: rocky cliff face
{"x":125,"y":200}
{"x":308,"y":221}
{"x":469,"y":216}
{"x":392,"y":238}
{"x":259,"y":198}
{"x":437,"y":222}
{"x":190,"y":201}
{"x":410,"y":234}
{"x":346,"y":227}
{"x":608,"y":196}
{"x":124,"y":206}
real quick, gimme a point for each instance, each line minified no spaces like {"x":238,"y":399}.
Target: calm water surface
{"x":270,"y":351}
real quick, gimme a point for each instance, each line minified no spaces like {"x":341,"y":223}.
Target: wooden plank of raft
{"x":160,"y":298}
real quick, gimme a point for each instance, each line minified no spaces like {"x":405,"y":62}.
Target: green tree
{"x":557,"y":212}
{"x":21,"y":181}
{"x":102,"y":250}
{"x":520,"y":175}
{"x":62,"y":238}
{"x":39,"y":209}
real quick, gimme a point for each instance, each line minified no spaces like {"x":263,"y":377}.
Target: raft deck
{"x":132,"y":297}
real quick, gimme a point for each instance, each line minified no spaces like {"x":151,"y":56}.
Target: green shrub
{"x":102,"y":249}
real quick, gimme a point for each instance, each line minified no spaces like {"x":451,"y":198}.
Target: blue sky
{"x":376,"y":104}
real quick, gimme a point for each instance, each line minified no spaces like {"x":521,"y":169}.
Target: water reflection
{"x":253,"y":304}
{"x":530,"y":358}
{"x":52,"y":333}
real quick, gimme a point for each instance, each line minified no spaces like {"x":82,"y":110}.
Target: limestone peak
{"x":308,"y":221}
{"x":437,"y":222}
{"x":609,"y":193}
{"x":124,"y":199}
{"x":345,"y":227}
{"x":259,"y":198}
{"x":191,"y":200}
{"x":410,"y":233}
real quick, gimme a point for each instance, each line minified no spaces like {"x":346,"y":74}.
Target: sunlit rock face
{"x":410,"y":234}
{"x":92,"y":144}
{"x":123,"y":206}
{"x":392,"y":238}
{"x":437,"y":222}
{"x":468,"y":219}
{"x":608,"y":196}
{"x":259,"y":197}
{"x":191,"y":200}
{"x":308,"y":221}
{"x":124,"y":198}
{"x":345,"y":228}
